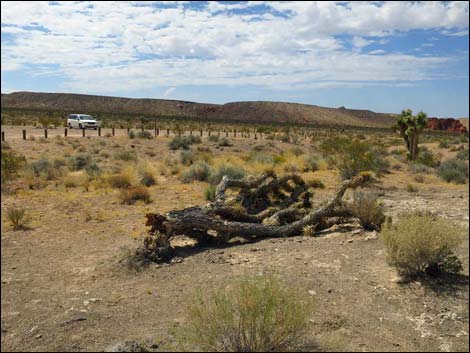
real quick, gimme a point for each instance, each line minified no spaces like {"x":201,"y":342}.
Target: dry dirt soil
{"x":65,"y":289}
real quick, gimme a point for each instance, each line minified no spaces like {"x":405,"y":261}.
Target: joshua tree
{"x":410,"y":127}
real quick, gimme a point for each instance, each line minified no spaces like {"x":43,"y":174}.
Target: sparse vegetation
{"x":367,"y":209}
{"x":199,"y":171}
{"x":11,"y":163}
{"x":421,"y":244}
{"x":18,"y":218}
{"x":130,"y":195}
{"x":454,"y":171}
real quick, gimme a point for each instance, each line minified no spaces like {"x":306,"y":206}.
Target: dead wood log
{"x":264,"y":207}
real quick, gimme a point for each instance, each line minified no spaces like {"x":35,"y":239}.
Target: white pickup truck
{"x":82,"y":121}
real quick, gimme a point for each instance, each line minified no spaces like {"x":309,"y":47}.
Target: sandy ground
{"x":64,"y":288}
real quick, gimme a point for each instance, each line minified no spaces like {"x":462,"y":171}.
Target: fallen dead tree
{"x":265,"y":207}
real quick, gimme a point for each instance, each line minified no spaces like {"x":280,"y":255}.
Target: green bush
{"x":367,"y":209}
{"x":209,"y":193}
{"x":418,"y":168}
{"x":256,"y":314}
{"x":311,"y":163}
{"x":18,"y":218}
{"x":454,"y":170}
{"x":444,"y":144}
{"x":231,"y":171}
{"x":199,"y":171}
{"x":422,"y":244}
{"x":11,"y":163}
{"x":427,"y":158}
{"x":354,"y":156}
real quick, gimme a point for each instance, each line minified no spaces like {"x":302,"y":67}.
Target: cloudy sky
{"x":383,"y":56}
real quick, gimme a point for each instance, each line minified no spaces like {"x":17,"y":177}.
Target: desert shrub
{"x":45,"y":169}
{"x":18,"y":218}
{"x":419,"y":179}
{"x":130,"y":195}
{"x":427,"y":158}
{"x":125,"y":156}
{"x":311,"y":163}
{"x":209,"y":192}
{"x":80,"y":161}
{"x":411,"y":188}
{"x":145,"y":135}
{"x":454,"y":170}
{"x":354,"y":156}
{"x":256,"y":314}
{"x":11,"y":163}
{"x":187,"y":157}
{"x":422,"y":243}
{"x":462,"y":154}
{"x":444,"y":144}
{"x":213,"y":138}
{"x":131,"y":134}
{"x":297,"y":151}
{"x":183,"y":142}
{"x":418,"y":168}
{"x":284,"y":138}
{"x":231,"y":171}
{"x":290,"y":168}
{"x":367,"y":209}
{"x":199,"y":171}
{"x":265,"y":158}
{"x":119,"y":181}
{"x":224,"y":142}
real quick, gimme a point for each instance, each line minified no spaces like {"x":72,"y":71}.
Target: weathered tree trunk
{"x":265,"y":207}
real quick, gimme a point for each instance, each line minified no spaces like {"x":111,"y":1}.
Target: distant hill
{"x":256,"y":111}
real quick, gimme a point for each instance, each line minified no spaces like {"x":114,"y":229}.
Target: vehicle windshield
{"x":86,"y":117}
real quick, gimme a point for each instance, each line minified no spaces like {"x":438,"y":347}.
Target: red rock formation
{"x":446,"y":124}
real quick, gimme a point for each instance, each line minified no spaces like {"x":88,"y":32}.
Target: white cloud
{"x":125,"y":46}
{"x":169,"y":91}
{"x":360,"y":42}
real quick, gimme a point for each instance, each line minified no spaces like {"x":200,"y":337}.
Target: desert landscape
{"x":66,"y":284}
{"x":235,"y":176}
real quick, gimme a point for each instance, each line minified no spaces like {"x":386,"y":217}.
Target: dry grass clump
{"x":130,"y":195}
{"x":147,"y":174}
{"x":76,"y":179}
{"x":423,"y":244}
{"x":257,"y":314}
{"x":367,"y":209}
{"x":18,"y":218}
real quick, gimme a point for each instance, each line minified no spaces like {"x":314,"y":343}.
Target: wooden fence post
{"x":45,"y":133}
{"x":113,"y":132}
{"x":99,"y":131}
{"x":3,"y":136}
{"x":83,"y":132}
{"x":65,"y":132}
{"x":24,"y":134}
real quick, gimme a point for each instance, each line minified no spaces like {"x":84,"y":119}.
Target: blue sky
{"x":383,"y":56}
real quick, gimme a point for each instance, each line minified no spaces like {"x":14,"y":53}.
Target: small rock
{"x":372,"y":236}
{"x":357,"y":231}
{"x":350,"y":240}
{"x":330,"y":290}
{"x":312,"y":292}
{"x":128,"y":346}
{"x":38,"y":336}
